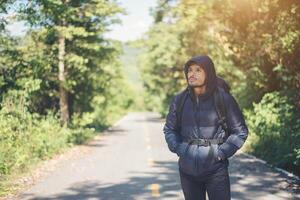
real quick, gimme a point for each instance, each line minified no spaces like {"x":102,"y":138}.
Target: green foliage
{"x":29,"y":85}
{"x":263,"y":40}
{"x":129,"y":64}
{"x":88,"y":55}
{"x":108,"y":109}
{"x":161,"y":60}
{"x":276,"y":123}
{"x":4,"y":7}
{"x":255,"y":48}
{"x":90,"y":60}
{"x":25,"y":137}
{"x":172,"y":41}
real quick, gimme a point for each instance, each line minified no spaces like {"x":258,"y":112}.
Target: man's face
{"x":196,"y":75}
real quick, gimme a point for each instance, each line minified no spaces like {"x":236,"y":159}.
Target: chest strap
{"x":204,"y":142}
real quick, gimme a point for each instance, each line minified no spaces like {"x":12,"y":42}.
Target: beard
{"x":197,"y":86}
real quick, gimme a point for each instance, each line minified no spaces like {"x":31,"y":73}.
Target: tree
{"x":74,"y":29}
{"x":263,"y":40}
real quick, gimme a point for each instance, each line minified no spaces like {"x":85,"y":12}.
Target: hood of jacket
{"x":210,"y":79}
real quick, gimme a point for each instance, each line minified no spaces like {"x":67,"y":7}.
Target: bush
{"x":26,"y":138}
{"x":274,"y":123}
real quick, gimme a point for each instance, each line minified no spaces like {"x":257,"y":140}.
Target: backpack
{"x":218,"y":102}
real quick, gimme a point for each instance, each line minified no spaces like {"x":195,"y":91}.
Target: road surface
{"x":131,"y":161}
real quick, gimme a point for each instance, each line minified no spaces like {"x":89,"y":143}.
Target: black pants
{"x":217,"y":186}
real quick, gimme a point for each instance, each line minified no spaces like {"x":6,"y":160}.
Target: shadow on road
{"x":97,"y":142}
{"x":136,"y":187}
{"x":155,"y":119}
{"x":251,"y":179}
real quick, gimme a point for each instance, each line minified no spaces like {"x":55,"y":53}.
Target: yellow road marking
{"x":146,"y":130}
{"x":150,"y":162}
{"x":155,"y":190}
{"x":153,"y":187}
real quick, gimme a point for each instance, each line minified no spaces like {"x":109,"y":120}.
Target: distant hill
{"x":129,"y":61}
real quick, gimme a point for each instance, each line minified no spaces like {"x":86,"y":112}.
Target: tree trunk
{"x":63,"y":93}
{"x":62,"y":72}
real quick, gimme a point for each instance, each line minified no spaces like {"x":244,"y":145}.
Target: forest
{"x":63,"y":82}
{"x":255,"y":46}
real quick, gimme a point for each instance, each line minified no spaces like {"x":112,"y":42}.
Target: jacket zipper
{"x":198,"y":126}
{"x":198,"y":118}
{"x":197,"y":161}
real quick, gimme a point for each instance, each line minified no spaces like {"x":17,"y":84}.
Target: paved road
{"x":131,"y":161}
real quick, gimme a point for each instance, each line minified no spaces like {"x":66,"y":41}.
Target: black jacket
{"x":200,"y":120}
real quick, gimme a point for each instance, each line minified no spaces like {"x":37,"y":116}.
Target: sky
{"x":134,"y":24}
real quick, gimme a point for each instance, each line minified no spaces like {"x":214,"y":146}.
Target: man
{"x":202,"y":141}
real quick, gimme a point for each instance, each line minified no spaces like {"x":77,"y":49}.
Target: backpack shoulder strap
{"x":220,"y":108}
{"x":179,"y":106}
